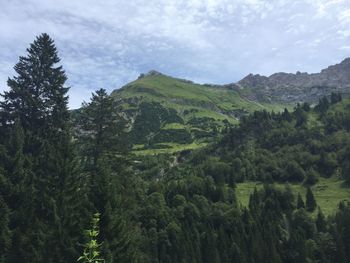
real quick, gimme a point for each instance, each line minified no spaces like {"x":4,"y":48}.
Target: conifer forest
{"x":133,"y":176}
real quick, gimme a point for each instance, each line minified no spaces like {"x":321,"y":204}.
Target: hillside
{"x":305,"y":148}
{"x":168,"y":114}
{"x":299,"y":87}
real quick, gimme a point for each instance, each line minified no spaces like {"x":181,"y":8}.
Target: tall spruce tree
{"x":101,"y":129}
{"x":101,"y":132}
{"x":37,"y":100}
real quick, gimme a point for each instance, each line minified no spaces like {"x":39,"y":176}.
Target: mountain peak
{"x":150,"y":73}
{"x":153,"y":73}
{"x":345,"y":61}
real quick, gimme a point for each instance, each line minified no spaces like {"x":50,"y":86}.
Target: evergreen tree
{"x":101,"y":129}
{"x":345,"y":164}
{"x":311,"y":177}
{"x":37,"y":95}
{"x":300,"y":202}
{"x":102,"y":136}
{"x":300,"y":116}
{"x":335,"y":97}
{"x":322,"y":105}
{"x":321,"y":221}
{"x":5,"y":234}
{"x":37,"y":100}
{"x":310,"y":200}
{"x":18,"y":173}
{"x":286,"y":115}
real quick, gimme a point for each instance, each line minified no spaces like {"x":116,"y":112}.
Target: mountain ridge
{"x":163,"y":110}
{"x":296,"y":87}
{"x":285,"y":88}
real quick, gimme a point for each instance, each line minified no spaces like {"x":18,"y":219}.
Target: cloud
{"x":108,"y":43}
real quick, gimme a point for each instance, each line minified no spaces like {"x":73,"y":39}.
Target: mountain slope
{"x":164,"y":111}
{"x":221,"y":101}
{"x":300,"y":87}
{"x":290,"y":150}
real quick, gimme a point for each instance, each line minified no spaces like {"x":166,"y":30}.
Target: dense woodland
{"x":61,"y":176}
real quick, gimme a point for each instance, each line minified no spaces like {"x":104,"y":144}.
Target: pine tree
{"x":310,"y":200}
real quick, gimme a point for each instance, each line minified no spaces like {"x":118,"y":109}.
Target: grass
{"x":313,"y":120}
{"x":175,"y":147}
{"x":190,"y":100}
{"x":342,"y":106}
{"x":174,"y":126}
{"x":328,"y":192}
{"x":176,"y":93}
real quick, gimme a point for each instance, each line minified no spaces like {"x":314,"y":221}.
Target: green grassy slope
{"x":182,"y":94}
{"x":202,"y":108}
{"x":328,"y":192}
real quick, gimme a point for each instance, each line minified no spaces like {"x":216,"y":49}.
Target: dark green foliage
{"x":300,"y":202}
{"x":273,"y":148}
{"x":311,"y":177}
{"x":310,"y":203}
{"x":5,"y":234}
{"x":176,"y":136}
{"x":342,"y":221}
{"x":100,"y":129}
{"x":41,"y":167}
{"x":164,"y":208}
{"x":322,"y":106}
{"x":295,"y":172}
{"x":321,"y":223}
{"x":101,"y":136}
{"x":300,"y":116}
{"x":149,"y":120}
{"x":345,"y":167}
{"x":335,"y":97}
{"x":37,"y":96}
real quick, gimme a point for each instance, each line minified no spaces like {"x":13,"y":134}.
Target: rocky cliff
{"x":291,"y":88}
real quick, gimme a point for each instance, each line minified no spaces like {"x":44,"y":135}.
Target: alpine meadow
{"x":169,"y":170}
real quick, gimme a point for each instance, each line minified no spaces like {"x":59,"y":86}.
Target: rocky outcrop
{"x":292,"y":88}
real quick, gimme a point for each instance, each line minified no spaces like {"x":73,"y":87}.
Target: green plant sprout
{"x":92,"y":252}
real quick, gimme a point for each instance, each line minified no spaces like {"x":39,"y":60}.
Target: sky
{"x":106,"y":44}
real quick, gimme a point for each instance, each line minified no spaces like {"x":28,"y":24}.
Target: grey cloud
{"x":108,"y":43}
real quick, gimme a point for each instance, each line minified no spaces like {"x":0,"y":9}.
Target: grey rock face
{"x":292,"y":88}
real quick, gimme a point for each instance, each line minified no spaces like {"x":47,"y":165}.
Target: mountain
{"x":167,"y":113}
{"x":300,"y":87}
